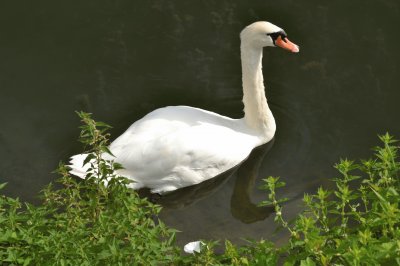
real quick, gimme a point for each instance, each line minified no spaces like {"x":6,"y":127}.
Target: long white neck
{"x":257,"y":116}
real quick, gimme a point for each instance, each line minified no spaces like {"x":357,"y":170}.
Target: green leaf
{"x":117,"y":166}
{"x":2,"y":185}
{"x":102,"y":124}
{"x":280,"y":184}
{"x":307,"y":262}
{"x":89,"y":157}
{"x":264,"y":203}
{"x":282,"y":200}
{"x":107,"y":150}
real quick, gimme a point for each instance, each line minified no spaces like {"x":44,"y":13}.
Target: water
{"x":121,"y":60}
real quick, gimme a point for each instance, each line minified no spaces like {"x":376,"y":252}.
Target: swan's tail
{"x":80,"y":170}
{"x":77,"y":167}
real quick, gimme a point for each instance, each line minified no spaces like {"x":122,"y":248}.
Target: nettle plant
{"x":86,"y":222}
{"x":100,"y":221}
{"x":355,"y":224}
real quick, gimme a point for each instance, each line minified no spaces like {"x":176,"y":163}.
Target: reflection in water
{"x":189,"y":195}
{"x":241,"y":206}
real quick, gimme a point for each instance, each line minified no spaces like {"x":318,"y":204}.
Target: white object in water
{"x":179,"y":146}
{"x":192,"y":247}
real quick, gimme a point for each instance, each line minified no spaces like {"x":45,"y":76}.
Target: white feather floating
{"x":192,"y":247}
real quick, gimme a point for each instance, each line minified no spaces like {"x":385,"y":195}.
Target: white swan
{"x":179,"y":146}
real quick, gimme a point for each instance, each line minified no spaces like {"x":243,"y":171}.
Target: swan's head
{"x":262,"y":33}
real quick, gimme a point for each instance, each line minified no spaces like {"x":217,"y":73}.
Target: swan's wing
{"x":168,"y":154}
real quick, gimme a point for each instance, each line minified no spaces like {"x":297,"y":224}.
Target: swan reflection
{"x":241,"y":206}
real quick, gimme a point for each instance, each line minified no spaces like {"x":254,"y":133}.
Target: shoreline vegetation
{"x":99,"y":221}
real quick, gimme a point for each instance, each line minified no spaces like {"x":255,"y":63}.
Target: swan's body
{"x":179,"y":146}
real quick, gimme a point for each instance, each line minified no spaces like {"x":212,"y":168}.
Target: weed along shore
{"x":101,"y":221}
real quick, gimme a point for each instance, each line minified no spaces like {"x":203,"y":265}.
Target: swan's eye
{"x":283,"y":36}
{"x":275,"y":35}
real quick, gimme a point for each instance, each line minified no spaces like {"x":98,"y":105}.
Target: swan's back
{"x":178,"y":146}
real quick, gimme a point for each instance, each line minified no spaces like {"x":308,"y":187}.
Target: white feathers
{"x":77,"y":167}
{"x":193,"y":247}
{"x":179,"y":146}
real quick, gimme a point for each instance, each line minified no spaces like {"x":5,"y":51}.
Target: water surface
{"x":120,"y":60}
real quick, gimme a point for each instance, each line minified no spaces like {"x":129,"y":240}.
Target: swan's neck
{"x":257,"y":116}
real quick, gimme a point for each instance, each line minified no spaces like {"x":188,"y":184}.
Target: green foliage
{"x":256,"y":253}
{"x":355,"y":224}
{"x":86,"y":222}
{"x":99,"y":221}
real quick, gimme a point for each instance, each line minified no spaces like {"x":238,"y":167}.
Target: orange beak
{"x":286,"y":44}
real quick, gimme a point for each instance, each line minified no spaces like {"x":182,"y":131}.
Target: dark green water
{"x":122,"y":59}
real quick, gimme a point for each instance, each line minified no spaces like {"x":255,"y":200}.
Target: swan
{"x":180,"y":146}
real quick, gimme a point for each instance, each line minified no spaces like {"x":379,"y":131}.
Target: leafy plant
{"x":87,"y":222}
{"x":99,"y":221}
{"x":355,"y":224}
{"x":358,"y":223}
